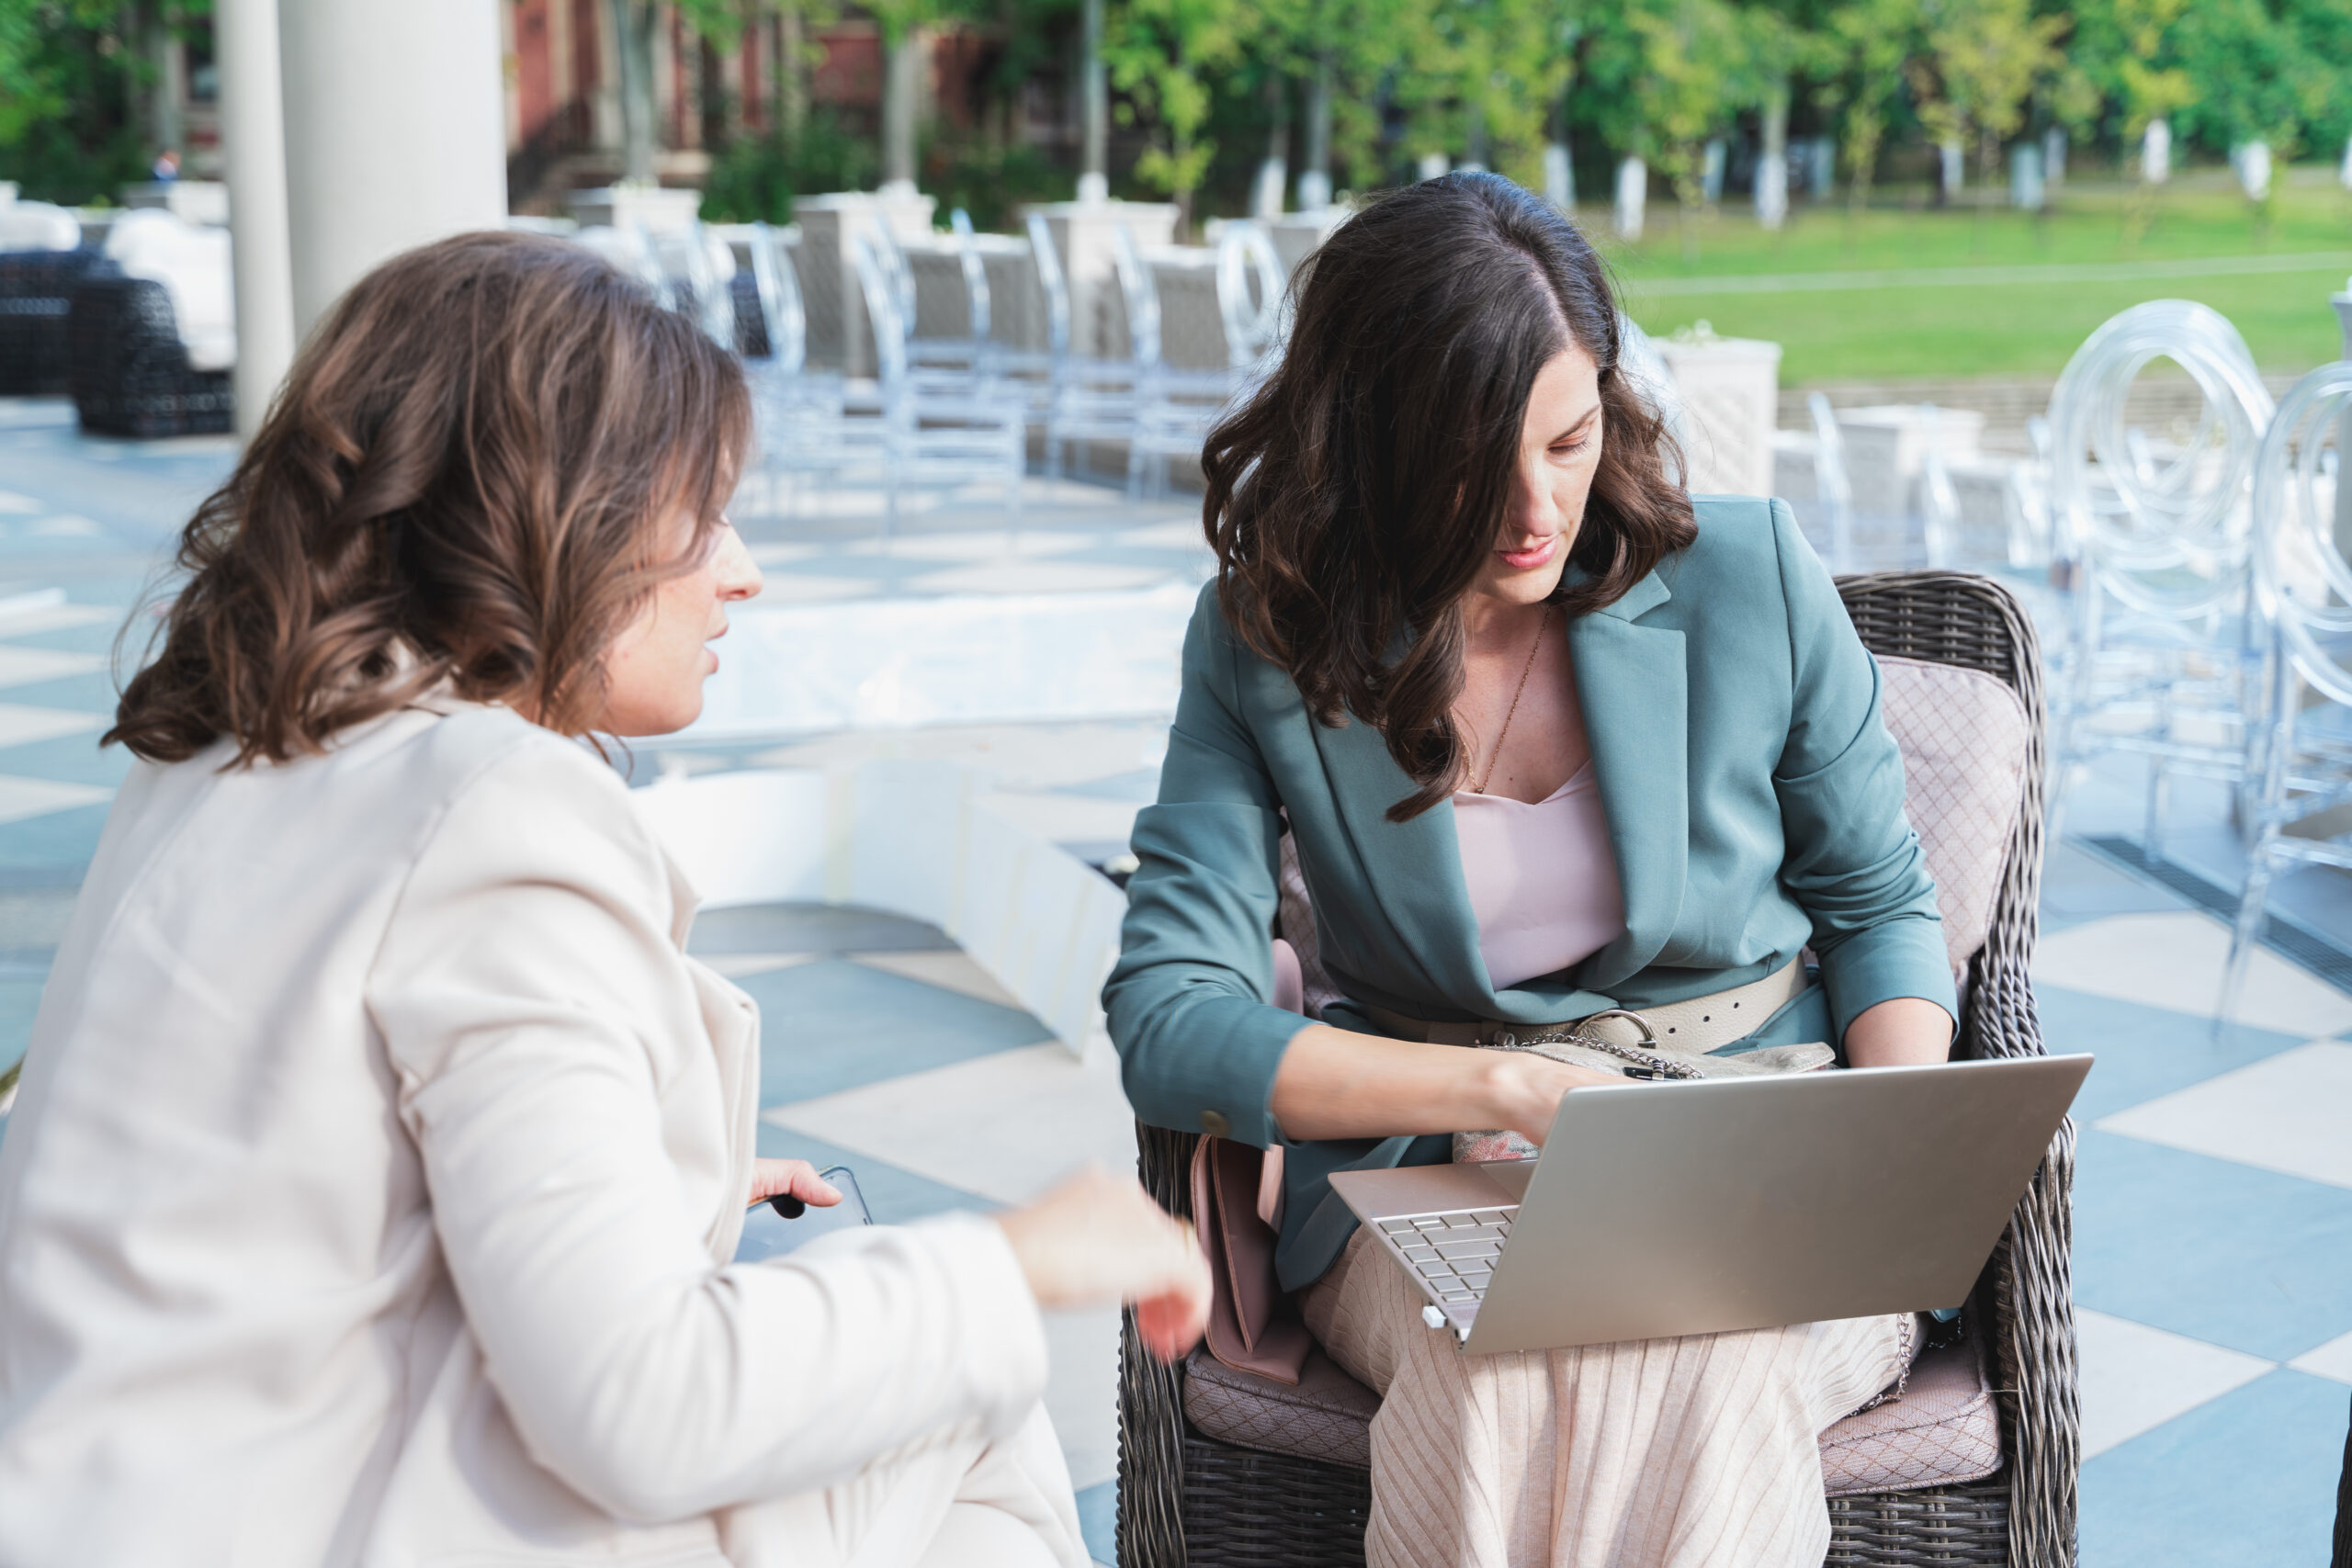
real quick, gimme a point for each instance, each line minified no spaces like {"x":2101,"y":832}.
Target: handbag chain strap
{"x":1652,"y":1064}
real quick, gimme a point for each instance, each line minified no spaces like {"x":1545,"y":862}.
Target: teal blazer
{"x":1754,"y":800}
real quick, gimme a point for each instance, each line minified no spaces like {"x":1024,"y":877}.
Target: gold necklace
{"x":1504,"y":733}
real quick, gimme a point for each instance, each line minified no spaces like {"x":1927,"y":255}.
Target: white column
{"x":395,"y":133}
{"x":252,"y":146}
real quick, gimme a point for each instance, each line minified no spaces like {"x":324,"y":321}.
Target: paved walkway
{"x":2214,"y":1258}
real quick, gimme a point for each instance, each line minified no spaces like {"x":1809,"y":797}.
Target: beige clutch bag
{"x":1634,"y":1062}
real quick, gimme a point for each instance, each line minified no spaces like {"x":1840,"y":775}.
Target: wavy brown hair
{"x":1352,"y":500}
{"x":470,"y":480}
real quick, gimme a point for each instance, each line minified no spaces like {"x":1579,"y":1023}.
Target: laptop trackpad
{"x":1431,"y":1188}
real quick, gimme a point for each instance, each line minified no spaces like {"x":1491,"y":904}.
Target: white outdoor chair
{"x":1178,"y":408}
{"x":2298,"y":802}
{"x":2161,"y":660}
{"x":1103,"y":400}
{"x":930,"y":439}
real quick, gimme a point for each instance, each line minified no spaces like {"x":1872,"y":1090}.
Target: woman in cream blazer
{"x":379,"y":1155}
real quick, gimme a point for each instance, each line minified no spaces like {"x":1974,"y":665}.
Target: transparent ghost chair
{"x":1833,"y":487}
{"x":1180,"y":407}
{"x":2162,"y":655}
{"x":698,"y":268}
{"x":2298,"y":803}
{"x":1102,"y":398}
{"x":929,"y":440}
{"x":805,"y":433}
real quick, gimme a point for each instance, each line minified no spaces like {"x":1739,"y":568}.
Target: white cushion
{"x":192,"y":263}
{"x":1964,"y":735}
{"x":38,"y":226}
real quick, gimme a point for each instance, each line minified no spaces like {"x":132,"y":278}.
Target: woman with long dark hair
{"x":380,"y":1154}
{"x":1547,"y":738}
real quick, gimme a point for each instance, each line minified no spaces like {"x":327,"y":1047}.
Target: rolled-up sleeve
{"x":519,"y":993}
{"x":1199,"y":1040}
{"x":1852,"y":862}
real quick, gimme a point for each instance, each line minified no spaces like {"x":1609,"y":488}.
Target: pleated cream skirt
{"x":1699,"y":1453}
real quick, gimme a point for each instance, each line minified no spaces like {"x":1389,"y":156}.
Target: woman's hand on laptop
{"x":1098,"y":1238}
{"x":1527,"y":1089}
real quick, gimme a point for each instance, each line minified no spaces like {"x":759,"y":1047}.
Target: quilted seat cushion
{"x":1964,"y":735}
{"x":1328,"y":1416}
{"x":1943,"y":1430}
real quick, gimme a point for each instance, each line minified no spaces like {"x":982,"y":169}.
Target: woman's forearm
{"x":1336,"y":1084}
{"x":1899,"y":1033}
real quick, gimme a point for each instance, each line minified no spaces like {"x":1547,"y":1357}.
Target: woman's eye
{"x":1570,"y":448}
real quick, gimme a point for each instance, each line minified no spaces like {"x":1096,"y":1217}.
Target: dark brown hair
{"x":468,"y":480}
{"x":1352,"y":500}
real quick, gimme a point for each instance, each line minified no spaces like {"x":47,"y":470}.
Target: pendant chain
{"x":1504,"y":733}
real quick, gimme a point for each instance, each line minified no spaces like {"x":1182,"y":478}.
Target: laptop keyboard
{"x":1453,"y":1253}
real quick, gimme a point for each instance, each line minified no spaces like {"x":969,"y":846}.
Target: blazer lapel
{"x":1635,"y":687}
{"x":1413,"y":868}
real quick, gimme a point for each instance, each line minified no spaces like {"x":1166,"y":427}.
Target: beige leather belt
{"x":1698,"y":1025}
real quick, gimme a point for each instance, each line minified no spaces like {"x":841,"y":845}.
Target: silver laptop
{"x":1702,"y":1206}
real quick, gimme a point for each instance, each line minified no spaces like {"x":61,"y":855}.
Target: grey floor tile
{"x":831,"y":1025}
{"x":2142,"y":1051}
{"x":1098,"y":1521}
{"x":893,"y":1197}
{"x":2240,"y":1257}
{"x":2246,"y":1480}
{"x":811,"y":927}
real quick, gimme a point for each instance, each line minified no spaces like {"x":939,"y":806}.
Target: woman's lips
{"x":1527,"y":560}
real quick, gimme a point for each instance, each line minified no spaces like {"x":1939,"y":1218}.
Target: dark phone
{"x":777,"y":1225}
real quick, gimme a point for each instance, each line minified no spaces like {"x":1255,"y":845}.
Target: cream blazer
{"x":370,"y":1195}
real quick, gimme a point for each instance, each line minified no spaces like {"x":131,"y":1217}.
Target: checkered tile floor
{"x":2213,"y":1216}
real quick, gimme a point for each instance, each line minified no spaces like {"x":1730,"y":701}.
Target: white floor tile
{"x":2136,"y":1378}
{"x":2289,"y":1114}
{"x":735,"y":966}
{"x":1068,"y":818}
{"x":1006,"y":1126}
{"x":20,"y":798}
{"x":810,"y":588}
{"x":33,"y":619}
{"x":986,"y":546}
{"x":1036,"y":577}
{"x":2333,"y":1360}
{"x":20,"y":724}
{"x":950,"y":971}
{"x":1082,"y":1392}
{"x":1018,"y":757}
{"x":2175,"y":960}
{"x":20,"y":666}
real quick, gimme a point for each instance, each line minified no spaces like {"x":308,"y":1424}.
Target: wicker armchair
{"x":129,"y":371}
{"x":1187,"y":1498}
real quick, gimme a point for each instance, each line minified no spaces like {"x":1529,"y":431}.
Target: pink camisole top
{"x":1543,"y":879}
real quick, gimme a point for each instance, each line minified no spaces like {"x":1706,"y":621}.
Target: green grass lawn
{"x":1882,"y":329}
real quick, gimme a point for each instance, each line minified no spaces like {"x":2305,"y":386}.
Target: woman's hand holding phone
{"x":1098,"y":1238}
{"x":790,"y":1178}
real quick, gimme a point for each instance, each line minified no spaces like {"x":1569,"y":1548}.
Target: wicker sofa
{"x":35,"y":288}
{"x":1300,"y":1493}
{"x":128,"y":368}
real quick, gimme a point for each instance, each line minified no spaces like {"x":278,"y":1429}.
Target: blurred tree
{"x":1863,"y":46}
{"x":1696,"y":73}
{"x":1164,"y":54}
{"x":1984,"y":59}
{"x":77,"y":80}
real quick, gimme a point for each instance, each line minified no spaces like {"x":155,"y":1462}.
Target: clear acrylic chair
{"x":1100,"y":400}
{"x":2298,"y":803}
{"x":2162,"y":660}
{"x":932,"y":436}
{"x":1833,"y":487}
{"x":1179,"y":408}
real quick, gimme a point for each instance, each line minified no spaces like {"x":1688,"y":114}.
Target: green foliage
{"x":991,"y":183}
{"x":71,"y":76}
{"x":1984,"y":58}
{"x":1165,"y":55}
{"x":757,"y":177}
